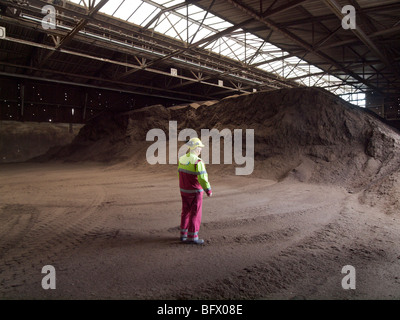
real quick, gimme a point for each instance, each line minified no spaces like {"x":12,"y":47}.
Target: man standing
{"x":193,"y":181}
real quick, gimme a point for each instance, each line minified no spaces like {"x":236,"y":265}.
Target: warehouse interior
{"x":83,"y":82}
{"x":126,"y":54}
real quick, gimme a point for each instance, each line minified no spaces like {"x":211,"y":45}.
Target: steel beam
{"x":81,"y":24}
{"x":283,"y":8}
{"x":294,"y":38}
{"x":191,"y":46}
{"x":257,"y":74}
{"x":337,"y":10}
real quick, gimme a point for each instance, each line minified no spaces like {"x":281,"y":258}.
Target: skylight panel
{"x":174,"y":20}
{"x":258,"y":59}
{"x":250,"y":37}
{"x":233,"y":44}
{"x":270,"y":47}
{"x":292,"y":60}
{"x":218,"y":25}
{"x":202,"y":33}
{"x":240,"y":45}
{"x":111,"y":6}
{"x":170,"y":3}
{"x":267,"y":68}
{"x":326,"y":78}
{"x":298,"y":73}
{"x":314,"y":69}
{"x":184,"y":10}
{"x":148,"y":18}
{"x":249,"y":53}
{"x":222,"y":49}
{"x":312,"y":81}
{"x":275,"y":64}
{"x":241,"y":55}
{"x":144,"y":10}
{"x":166,"y":28}
{"x":180,"y":27}
{"x":127,"y":9}
{"x":199,"y":16}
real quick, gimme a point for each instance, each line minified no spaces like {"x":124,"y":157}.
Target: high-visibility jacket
{"x":193,"y":176}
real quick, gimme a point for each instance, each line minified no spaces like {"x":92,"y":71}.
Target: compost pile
{"x":21,"y":141}
{"x":304,"y":134}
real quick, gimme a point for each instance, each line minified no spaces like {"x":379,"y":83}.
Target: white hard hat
{"x":193,"y":143}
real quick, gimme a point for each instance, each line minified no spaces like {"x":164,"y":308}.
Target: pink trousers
{"x":191,"y":215}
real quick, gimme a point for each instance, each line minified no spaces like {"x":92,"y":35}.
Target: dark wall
{"x":39,"y":101}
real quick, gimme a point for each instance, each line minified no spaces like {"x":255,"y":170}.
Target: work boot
{"x":198,"y":241}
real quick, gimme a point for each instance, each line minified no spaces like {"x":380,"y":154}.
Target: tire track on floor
{"x":48,"y":239}
{"x":15,"y":221}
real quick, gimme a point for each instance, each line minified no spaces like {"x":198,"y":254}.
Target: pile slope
{"x":305,"y":134}
{"x":21,"y":141}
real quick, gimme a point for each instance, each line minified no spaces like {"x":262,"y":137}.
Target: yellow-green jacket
{"x":193,"y":176}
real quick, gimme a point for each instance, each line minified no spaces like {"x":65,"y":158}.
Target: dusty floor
{"x":112,"y":233}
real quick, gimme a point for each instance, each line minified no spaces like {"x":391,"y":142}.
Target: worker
{"x":193,"y":182}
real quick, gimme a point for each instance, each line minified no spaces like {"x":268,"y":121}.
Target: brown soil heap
{"x":302,"y":133}
{"x":20,"y":141}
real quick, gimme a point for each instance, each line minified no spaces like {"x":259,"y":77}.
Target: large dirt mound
{"x":21,"y":141}
{"x":304,"y":133}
